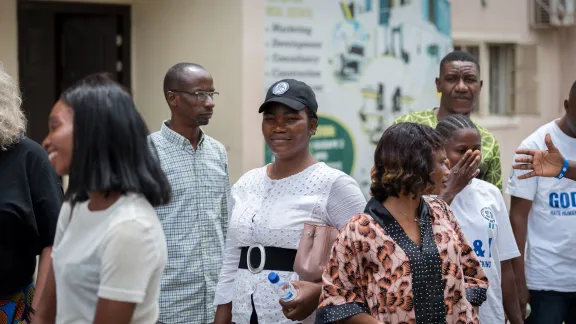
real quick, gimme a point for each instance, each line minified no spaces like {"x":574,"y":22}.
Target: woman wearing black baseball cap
{"x":269,"y":208}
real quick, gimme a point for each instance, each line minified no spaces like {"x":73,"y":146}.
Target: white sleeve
{"x":505,"y":242}
{"x":344,"y":201}
{"x":129,"y":258}
{"x":527,"y":188}
{"x":62,"y":224}
{"x":230,"y":261}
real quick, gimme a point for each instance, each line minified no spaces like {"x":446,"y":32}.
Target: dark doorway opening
{"x":60,"y":43}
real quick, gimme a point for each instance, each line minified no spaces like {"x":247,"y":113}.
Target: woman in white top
{"x":269,"y":208}
{"x":483,"y":217}
{"x":109,"y":250}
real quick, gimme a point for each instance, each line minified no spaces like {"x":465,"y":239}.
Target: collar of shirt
{"x":382,"y":216}
{"x":177,"y":139}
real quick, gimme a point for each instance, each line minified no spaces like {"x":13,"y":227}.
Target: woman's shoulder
{"x":135,"y":226}
{"x":439,"y":209}
{"x":135,"y":204}
{"x":362,"y":227}
{"x":28,"y":149}
{"x":357,"y":222}
{"x":435,"y":203}
{"x":333,"y":178}
{"x":485,"y":188}
{"x":331,"y":172}
{"x":65,"y":214}
{"x":134,"y":210}
{"x":135,"y":218}
{"x":250,"y":176}
{"x":32,"y":146}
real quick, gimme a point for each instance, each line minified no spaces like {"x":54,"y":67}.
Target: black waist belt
{"x":275,"y":259}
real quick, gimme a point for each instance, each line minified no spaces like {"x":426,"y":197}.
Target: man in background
{"x":543,"y":218}
{"x":195,"y":221}
{"x":459,"y":84}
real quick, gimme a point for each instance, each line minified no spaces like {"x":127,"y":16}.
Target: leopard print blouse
{"x":376,"y":269}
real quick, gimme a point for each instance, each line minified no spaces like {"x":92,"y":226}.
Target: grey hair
{"x":12,"y":119}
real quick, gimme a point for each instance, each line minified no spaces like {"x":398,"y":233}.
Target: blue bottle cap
{"x":273,"y":277}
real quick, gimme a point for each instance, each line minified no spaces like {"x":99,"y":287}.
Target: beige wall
{"x":567,"y":45}
{"x":225,"y":36}
{"x":9,"y":37}
{"x":508,"y":21}
{"x":499,"y":19}
{"x":222,"y":35}
{"x":230,"y":45}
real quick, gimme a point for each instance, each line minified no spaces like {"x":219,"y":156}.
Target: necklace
{"x":416,"y":219}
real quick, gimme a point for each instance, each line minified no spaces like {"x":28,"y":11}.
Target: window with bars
{"x":501,"y":74}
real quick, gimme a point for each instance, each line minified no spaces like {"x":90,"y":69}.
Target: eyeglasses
{"x":202,"y":95}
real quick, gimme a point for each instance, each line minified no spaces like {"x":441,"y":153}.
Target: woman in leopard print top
{"x":405,"y":259}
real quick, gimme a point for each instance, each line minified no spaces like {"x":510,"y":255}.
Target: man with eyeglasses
{"x":196,"y":219}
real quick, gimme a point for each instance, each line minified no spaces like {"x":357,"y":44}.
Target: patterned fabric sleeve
{"x":474,"y":277}
{"x":402,"y":119}
{"x":342,"y":294}
{"x":494,"y":167}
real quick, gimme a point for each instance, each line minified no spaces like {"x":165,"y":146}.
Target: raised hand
{"x":461,"y":174}
{"x":542,"y":163}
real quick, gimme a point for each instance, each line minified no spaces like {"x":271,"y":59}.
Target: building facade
{"x":527,"y":72}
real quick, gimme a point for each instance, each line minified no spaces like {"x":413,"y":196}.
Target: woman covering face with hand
{"x":463,"y":166}
{"x":109,"y":250}
{"x":269,"y":208}
{"x":483,"y":217}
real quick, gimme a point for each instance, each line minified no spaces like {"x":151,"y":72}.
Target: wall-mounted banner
{"x":369,"y":61}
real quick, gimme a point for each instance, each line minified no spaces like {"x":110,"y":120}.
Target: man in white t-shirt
{"x":543,"y":217}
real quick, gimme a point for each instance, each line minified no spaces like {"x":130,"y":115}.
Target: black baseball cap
{"x":292,"y":93}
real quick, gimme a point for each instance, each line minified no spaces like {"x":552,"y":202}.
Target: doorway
{"x":59,"y":43}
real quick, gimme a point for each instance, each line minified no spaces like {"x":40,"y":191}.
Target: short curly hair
{"x":12,"y":119}
{"x":403,"y":161}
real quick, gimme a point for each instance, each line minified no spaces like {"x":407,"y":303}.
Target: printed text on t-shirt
{"x":562,"y":203}
{"x":481,"y":252}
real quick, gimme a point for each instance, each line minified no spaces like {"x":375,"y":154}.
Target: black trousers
{"x":552,"y":307}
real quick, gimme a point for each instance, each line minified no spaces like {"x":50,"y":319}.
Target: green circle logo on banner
{"x":333,"y":144}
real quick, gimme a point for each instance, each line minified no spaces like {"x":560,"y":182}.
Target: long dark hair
{"x":110,"y":149}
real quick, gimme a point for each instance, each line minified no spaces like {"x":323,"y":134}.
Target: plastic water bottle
{"x":286,"y":291}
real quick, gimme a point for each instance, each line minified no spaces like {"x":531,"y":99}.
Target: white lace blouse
{"x":273,"y":213}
